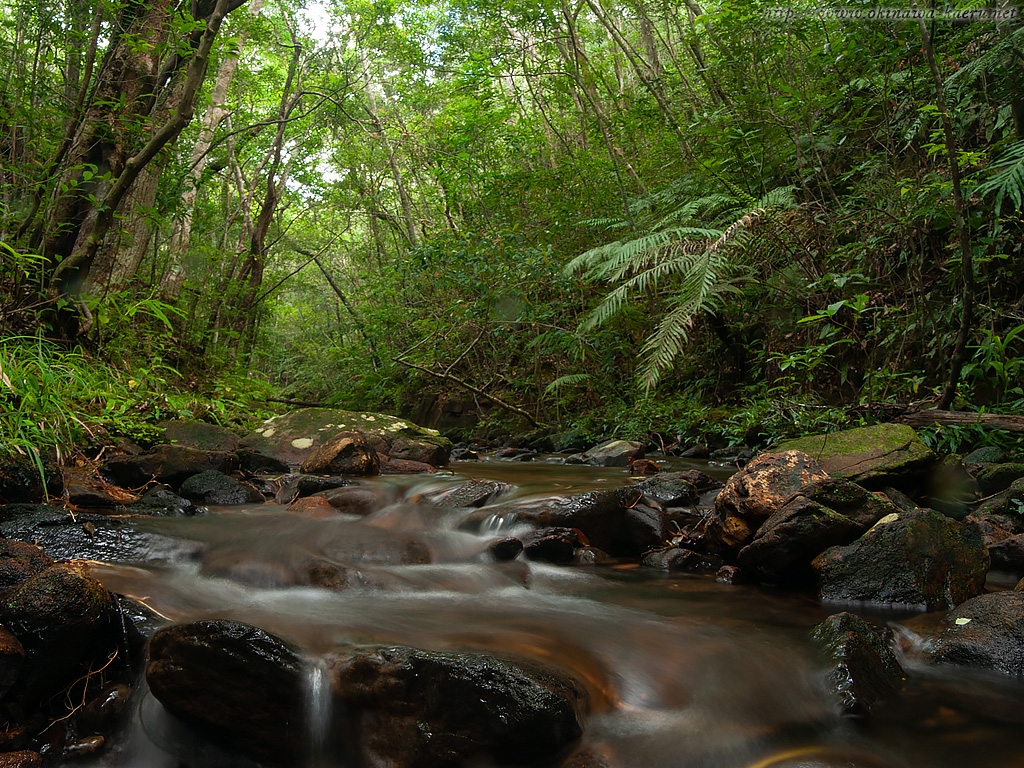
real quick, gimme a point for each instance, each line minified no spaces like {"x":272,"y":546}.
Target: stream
{"x":684,"y":671}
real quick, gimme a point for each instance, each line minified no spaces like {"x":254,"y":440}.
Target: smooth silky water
{"x":682,"y":671}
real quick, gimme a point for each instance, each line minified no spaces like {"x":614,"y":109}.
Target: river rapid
{"x":683,"y":671}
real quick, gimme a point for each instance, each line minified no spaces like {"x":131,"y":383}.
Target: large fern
{"x":1006,"y":177}
{"x":697,"y":264}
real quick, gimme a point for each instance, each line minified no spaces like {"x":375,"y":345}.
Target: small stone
{"x":505,"y":549}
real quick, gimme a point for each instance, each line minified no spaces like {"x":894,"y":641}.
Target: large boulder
{"x":346,"y":453}
{"x":921,"y":559}
{"x":863,"y":671}
{"x":412,"y":708}
{"x":294,"y":436}
{"x":198,"y":434}
{"x":241,"y":685}
{"x":62,"y":617}
{"x":754,"y":494}
{"x":213,"y":487}
{"x":879,"y":455}
{"x":170,"y":464}
{"x":986,"y":631}
{"x":826,"y":512}
{"x":613,"y":453}
{"x":20,"y":561}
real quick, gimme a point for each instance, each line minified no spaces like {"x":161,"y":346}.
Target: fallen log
{"x":930,"y":416}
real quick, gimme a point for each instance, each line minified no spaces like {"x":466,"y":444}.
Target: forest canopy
{"x":554,"y":212}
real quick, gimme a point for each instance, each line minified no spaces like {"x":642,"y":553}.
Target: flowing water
{"x":682,"y":671}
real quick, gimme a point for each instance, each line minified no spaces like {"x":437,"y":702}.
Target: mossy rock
{"x":293,"y":437}
{"x":883,"y":454}
{"x":199,"y":435}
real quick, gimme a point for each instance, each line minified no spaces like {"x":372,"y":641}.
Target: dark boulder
{"x":170,"y":464}
{"x":347,"y":453}
{"x":241,"y":685}
{"x":754,"y":494}
{"x":21,"y":482}
{"x":993,"y":478}
{"x":605,"y":517}
{"x":464,"y":454}
{"x":161,"y":501}
{"x":12,"y":658}
{"x":669,"y":489}
{"x":213,"y":487}
{"x":505,"y":549}
{"x":393,"y":466}
{"x":987,"y":632}
{"x":682,"y":560}
{"x":411,"y":708}
{"x":63,"y":617}
{"x":920,"y":559}
{"x":297,"y":486}
{"x":551,"y":545}
{"x":826,"y":512}
{"x":863,"y":671}
{"x":471,"y":493}
{"x":1008,"y":554}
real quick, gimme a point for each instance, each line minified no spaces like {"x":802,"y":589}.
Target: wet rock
{"x":84,"y":747}
{"x":253,"y":462}
{"x":600,"y":515}
{"x":346,"y":453}
{"x":506,"y":453}
{"x":440,"y":710}
{"x":993,"y":478}
{"x":170,"y":464}
{"x":590,"y":556}
{"x":104,"y":712}
{"x":138,"y":623}
{"x":298,"y":486}
{"x":670,"y":489}
{"x":987,"y":632}
{"x":20,"y":561}
{"x":754,"y":494}
{"x":213,"y":487}
{"x":552,"y":545}
{"x":919,"y":559}
{"x":505,"y":549}
{"x":294,"y":436}
{"x":161,"y":501}
{"x":824,"y":513}
{"x":463,"y":454}
{"x":356,"y":500}
{"x":239,"y":684}
{"x":680,"y":559}
{"x":64,"y":536}
{"x":198,"y":434}
{"x":644,"y":527}
{"x":614,"y":453}
{"x":471,"y":493}
{"x":62,"y":617}
{"x":862,"y":669}
{"x":312,"y":508}
{"x":729,"y":574}
{"x":22,"y":759}
{"x":591,"y":756}
{"x":875,"y":456}
{"x":21,"y":483}
{"x":12,"y":658}
{"x":1008,"y":554}
{"x":390,"y":466}
{"x":526,"y":455}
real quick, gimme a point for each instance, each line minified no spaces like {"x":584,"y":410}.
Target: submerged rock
{"x":239,"y":684}
{"x":863,"y":671}
{"x":754,"y":494}
{"x":921,"y":559}
{"x":294,"y":436}
{"x":882,"y":454}
{"x":409,"y":708}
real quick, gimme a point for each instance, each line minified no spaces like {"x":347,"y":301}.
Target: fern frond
{"x":566,"y":381}
{"x":1007,"y":179}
